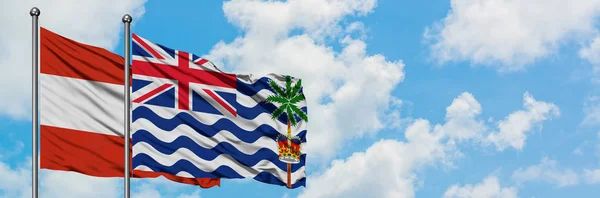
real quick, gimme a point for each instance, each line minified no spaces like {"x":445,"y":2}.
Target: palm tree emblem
{"x":287,"y":99}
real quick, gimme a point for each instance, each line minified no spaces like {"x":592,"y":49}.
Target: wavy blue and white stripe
{"x":202,"y":145}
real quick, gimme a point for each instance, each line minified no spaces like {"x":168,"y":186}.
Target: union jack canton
{"x":166,"y":71}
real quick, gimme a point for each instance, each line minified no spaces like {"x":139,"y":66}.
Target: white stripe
{"x":194,"y":65}
{"x":198,"y":87}
{"x":148,"y":88}
{"x":168,"y":61}
{"x":156,"y":48}
{"x":183,"y":174}
{"x":155,"y":83}
{"x":194,"y":86}
{"x":279,"y":79}
{"x":206,"y":142}
{"x":212,"y":101}
{"x":206,"y":66}
{"x":152,"y":78}
{"x":174,"y":61}
{"x":81,"y":104}
{"x":251,"y":101}
{"x":210,"y":119}
{"x":212,"y":165}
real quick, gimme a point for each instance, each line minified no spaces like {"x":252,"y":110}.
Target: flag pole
{"x":127,"y":102}
{"x":35,"y":13}
{"x":289,"y":166}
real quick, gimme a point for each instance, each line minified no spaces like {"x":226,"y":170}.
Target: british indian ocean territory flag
{"x":191,"y":120}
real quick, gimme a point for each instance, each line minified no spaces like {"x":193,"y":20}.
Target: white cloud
{"x":513,"y":129}
{"x":577,"y":151}
{"x":592,"y":176}
{"x":16,"y":182}
{"x":92,"y":22}
{"x":195,"y":194}
{"x":146,"y":191}
{"x":383,"y":170}
{"x":275,"y":18}
{"x":591,"y":109}
{"x":489,"y":188}
{"x":512,"y":33}
{"x":547,"y":171}
{"x":591,"y":53}
{"x":394,"y":163}
{"x":161,"y":187}
{"x":6,"y":153}
{"x":460,"y":118}
{"x":75,"y":185}
{"x":347,"y":91}
{"x":398,"y":115}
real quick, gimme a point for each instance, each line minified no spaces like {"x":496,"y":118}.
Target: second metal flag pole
{"x":35,"y":13}
{"x":127,"y":102}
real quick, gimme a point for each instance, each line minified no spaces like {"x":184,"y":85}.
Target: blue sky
{"x":382,"y":72}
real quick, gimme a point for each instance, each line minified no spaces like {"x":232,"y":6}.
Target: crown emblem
{"x":289,"y":148}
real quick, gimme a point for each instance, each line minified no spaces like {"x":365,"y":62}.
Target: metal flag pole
{"x":127,"y":102}
{"x":35,"y":13}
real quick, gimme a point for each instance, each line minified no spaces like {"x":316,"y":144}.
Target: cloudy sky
{"x":435,"y":98}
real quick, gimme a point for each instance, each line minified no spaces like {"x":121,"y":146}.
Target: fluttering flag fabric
{"x":81,"y":110}
{"x":192,"y":120}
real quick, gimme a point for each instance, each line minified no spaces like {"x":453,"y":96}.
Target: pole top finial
{"x":34,"y":11}
{"x":127,"y":18}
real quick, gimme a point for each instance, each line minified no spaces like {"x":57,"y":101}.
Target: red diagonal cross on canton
{"x":184,"y":75}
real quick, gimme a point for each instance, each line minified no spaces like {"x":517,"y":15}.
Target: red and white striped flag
{"x":81,"y":110}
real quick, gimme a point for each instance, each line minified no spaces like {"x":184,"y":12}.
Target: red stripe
{"x":94,"y":154}
{"x":183,"y":84}
{"x":191,"y":75}
{"x":151,"y":93}
{"x":202,"y":182}
{"x":62,"y":56}
{"x":146,"y":46}
{"x":201,"y":61}
{"x":214,"y":96}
